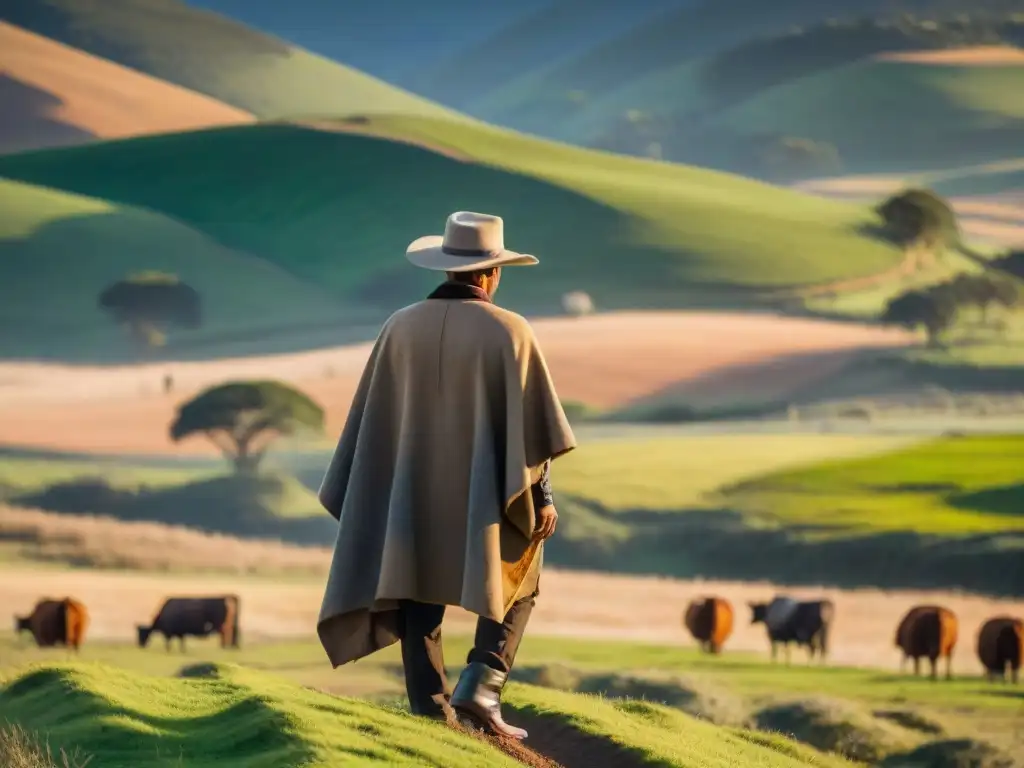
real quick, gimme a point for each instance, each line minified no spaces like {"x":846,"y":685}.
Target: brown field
{"x":979,"y":56}
{"x":577,"y":604}
{"x":603,"y":360}
{"x":55,"y":95}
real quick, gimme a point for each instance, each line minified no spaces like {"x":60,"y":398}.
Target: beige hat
{"x":471,"y":241}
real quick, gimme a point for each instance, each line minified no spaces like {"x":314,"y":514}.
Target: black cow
{"x":197,"y":617}
{"x":793,"y":621}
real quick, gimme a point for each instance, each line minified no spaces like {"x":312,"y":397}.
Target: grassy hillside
{"x":237,"y":717}
{"x":662,"y":86}
{"x":367,"y":34}
{"x":941,"y":515}
{"x":212,"y":54}
{"x":866,"y":712}
{"x":872,"y":112}
{"x":59,"y":250}
{"x":338,"y":208}
{"x":553,"y":33}
{"x":54,"y":95}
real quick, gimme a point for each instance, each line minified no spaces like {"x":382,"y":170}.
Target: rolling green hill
{"x":214,"y":55}
{"x":58,"y":251}
{"x":872,"y":111}
{"x":231,"y":716}
{"x":332,"y":206}
{"x":665,"y":84}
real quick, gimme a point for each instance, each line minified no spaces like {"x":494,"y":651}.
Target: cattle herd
{"x":63,"y":622}
{"x":925,"y":632}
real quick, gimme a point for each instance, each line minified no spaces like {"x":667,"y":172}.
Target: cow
{"x":1001,"y":645}
{"x":788,"y":621}
{"x":55,"y":622}
{"x":709,"y":620}
{"x":928,"y":631}
{"x":197,"y":617}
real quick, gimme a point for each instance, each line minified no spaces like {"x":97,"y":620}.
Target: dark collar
{"x":460,"y":291}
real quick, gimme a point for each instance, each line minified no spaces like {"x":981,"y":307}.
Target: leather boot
{"x":477,"y":696}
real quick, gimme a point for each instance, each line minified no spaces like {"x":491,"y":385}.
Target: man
{"x":440,"y":481}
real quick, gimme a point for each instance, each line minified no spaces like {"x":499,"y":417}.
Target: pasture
{"x":855,"y":510}
{"x":636,"y":696}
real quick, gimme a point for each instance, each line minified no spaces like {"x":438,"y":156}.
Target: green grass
{"x":872,"y":112}
{"x":636,"y":681}
{"x":217,"y":56}
{"x":672,"y":473}
{"x":239,"y":717}
{"x":947,"y":487}
{"x":58,"y":251}
{"x":321,"y":204}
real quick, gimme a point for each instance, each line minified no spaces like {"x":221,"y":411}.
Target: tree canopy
{"x":919,"y":217}
{"x":148,"y":303}
{"x":242,"y":418}
{"x":935,"y":311}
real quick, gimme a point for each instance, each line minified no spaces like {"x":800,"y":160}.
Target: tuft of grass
{"x":19,"y":749}
{"x":834,"y":726}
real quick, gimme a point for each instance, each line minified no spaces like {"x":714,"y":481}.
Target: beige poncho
{"x":452,"y":421}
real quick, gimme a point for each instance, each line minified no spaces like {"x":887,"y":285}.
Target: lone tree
{"x":933,"y":310}
{"x":242,"y":418}
{"x":149,"y":303}
{"x":919,"y":218}
{"x":983,"y":292}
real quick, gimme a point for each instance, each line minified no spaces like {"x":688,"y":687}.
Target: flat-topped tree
{"x":149,"y":303}
{"x":242,"y":418}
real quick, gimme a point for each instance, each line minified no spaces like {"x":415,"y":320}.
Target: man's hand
{"x":547,"y":519}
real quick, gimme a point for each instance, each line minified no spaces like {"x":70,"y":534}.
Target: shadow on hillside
{"x":1005,"y":500}
{"x":721,"y":544}
{"x":32,"y":123}
{"x":268,"y":506}
{"x":257,"y":729}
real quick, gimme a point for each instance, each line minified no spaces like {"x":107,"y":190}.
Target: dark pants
{"x":494,"y":645}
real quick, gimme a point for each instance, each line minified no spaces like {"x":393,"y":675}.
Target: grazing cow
{"x":794,"y":621}
{"x":55,"y":622}
{"x":1001,"y":645}
{"x":195,"y":616}
{"x":709,"y":620}
{"x":928,"y":631}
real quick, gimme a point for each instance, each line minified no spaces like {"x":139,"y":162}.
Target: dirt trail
{"x":565,"y":746}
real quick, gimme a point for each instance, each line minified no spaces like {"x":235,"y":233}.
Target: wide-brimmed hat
{"x":470,"y":241}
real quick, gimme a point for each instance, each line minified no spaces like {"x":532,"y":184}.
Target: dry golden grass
{"x":105,"y":543}
{"x":71,"y":96}
{"x":19,"y":749}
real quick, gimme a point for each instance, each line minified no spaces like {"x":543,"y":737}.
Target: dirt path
{"x":553,"y":742}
